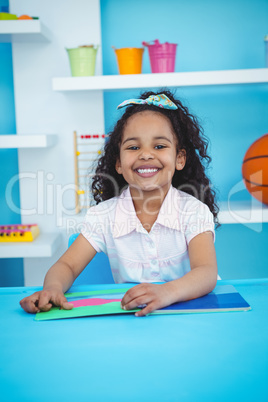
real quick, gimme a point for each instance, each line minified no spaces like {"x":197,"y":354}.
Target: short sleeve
{"x":93,"y":230}
{"x":199,"y":219}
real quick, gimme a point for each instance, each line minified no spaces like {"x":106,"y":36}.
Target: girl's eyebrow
{"x":162,"y":138}
{"x":130,"y":139}
{"x":155,"y":138}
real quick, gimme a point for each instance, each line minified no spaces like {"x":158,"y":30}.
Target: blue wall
{"x":11,"y":270}
{"x":211,"y":36}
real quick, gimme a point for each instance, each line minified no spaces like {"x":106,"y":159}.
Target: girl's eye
{"x":160,"y":146}
{"x":134,"y":147}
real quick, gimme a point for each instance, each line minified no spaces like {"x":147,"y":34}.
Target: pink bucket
{"x":162,"y":57}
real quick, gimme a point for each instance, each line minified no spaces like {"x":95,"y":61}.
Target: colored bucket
{"x":82,"y":60}
{"x":129,"y":60}
{"x":162,"y":56}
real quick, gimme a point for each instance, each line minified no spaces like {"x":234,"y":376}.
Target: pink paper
{"x":92,"y":302}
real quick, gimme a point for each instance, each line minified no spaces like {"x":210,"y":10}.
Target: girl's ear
{"x":181,"y":159}
{"x":118,"y":167}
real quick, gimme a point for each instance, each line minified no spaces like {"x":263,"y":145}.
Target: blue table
{"x":191,"y":357}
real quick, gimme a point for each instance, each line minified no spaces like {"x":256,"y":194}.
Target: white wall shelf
{"x":45,"y":245}
{"x":123,"y":82}
{"x":23,"y":31}
{"x":28,"y":141}
{"x":242,"y":212}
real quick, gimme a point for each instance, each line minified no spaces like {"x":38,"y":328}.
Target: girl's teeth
{"x":147,"y":170}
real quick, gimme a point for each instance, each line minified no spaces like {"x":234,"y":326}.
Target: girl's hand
{"x":154,"y":296}
{"x":44,"y":300}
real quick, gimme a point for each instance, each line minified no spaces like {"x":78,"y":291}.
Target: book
{"x":223,"y":298}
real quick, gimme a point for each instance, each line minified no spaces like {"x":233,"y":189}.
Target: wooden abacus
{"x":87,"y":149}
{"x":18,"y":233}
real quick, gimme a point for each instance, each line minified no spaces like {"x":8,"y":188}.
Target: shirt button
{"x":154,"y":262}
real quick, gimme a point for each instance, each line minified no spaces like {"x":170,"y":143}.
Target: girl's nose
{"x":146,"y":155}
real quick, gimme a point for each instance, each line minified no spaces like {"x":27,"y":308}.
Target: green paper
{"x":97,"y":292}
{"x":108,"y":308}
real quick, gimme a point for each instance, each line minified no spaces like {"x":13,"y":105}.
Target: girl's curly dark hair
{"x":107,"y":183}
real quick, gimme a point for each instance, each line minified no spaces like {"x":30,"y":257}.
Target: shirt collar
{"x":126,"y":219}
{"x":168,"y":215}
{"x":125,"y":216}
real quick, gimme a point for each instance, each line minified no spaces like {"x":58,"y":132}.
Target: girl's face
{"x":148,"y":152}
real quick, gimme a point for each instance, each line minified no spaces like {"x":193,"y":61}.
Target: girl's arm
{"x":60,"y":277}
{"x":198,"y":282}
{"x":202,"y":278}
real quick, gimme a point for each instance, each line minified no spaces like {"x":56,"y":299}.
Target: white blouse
{"x":138,"y":256}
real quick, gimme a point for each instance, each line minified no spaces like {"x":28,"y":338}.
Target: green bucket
{"x":82,"y":60}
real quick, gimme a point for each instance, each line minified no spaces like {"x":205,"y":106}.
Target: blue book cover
{"x":223,"y":298}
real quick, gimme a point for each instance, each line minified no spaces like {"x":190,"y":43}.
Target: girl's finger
{"x":45,"y":307}
{"x":44,"y":301}
{"x":138,"y":301}
{"x":29,"y":304}
{"x":60,"y":300}
{"x":145,"y":311}
{"x":65,"y":304}
{"x":132,"y":294}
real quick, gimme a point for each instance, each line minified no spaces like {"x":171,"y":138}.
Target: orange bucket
{"x":129,"y":60}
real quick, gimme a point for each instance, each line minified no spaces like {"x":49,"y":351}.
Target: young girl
{"x":155,"y":211}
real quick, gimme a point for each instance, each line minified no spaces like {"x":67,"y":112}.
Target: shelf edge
{"x":45,"y":245}
{"x":27,"y":141}
{"x":183,"y":79}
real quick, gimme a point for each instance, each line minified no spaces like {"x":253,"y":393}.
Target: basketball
{"x":255,"y":169}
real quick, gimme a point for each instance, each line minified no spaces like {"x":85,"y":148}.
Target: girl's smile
{"x":147,"y":171}
{"x":148,"y":152}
